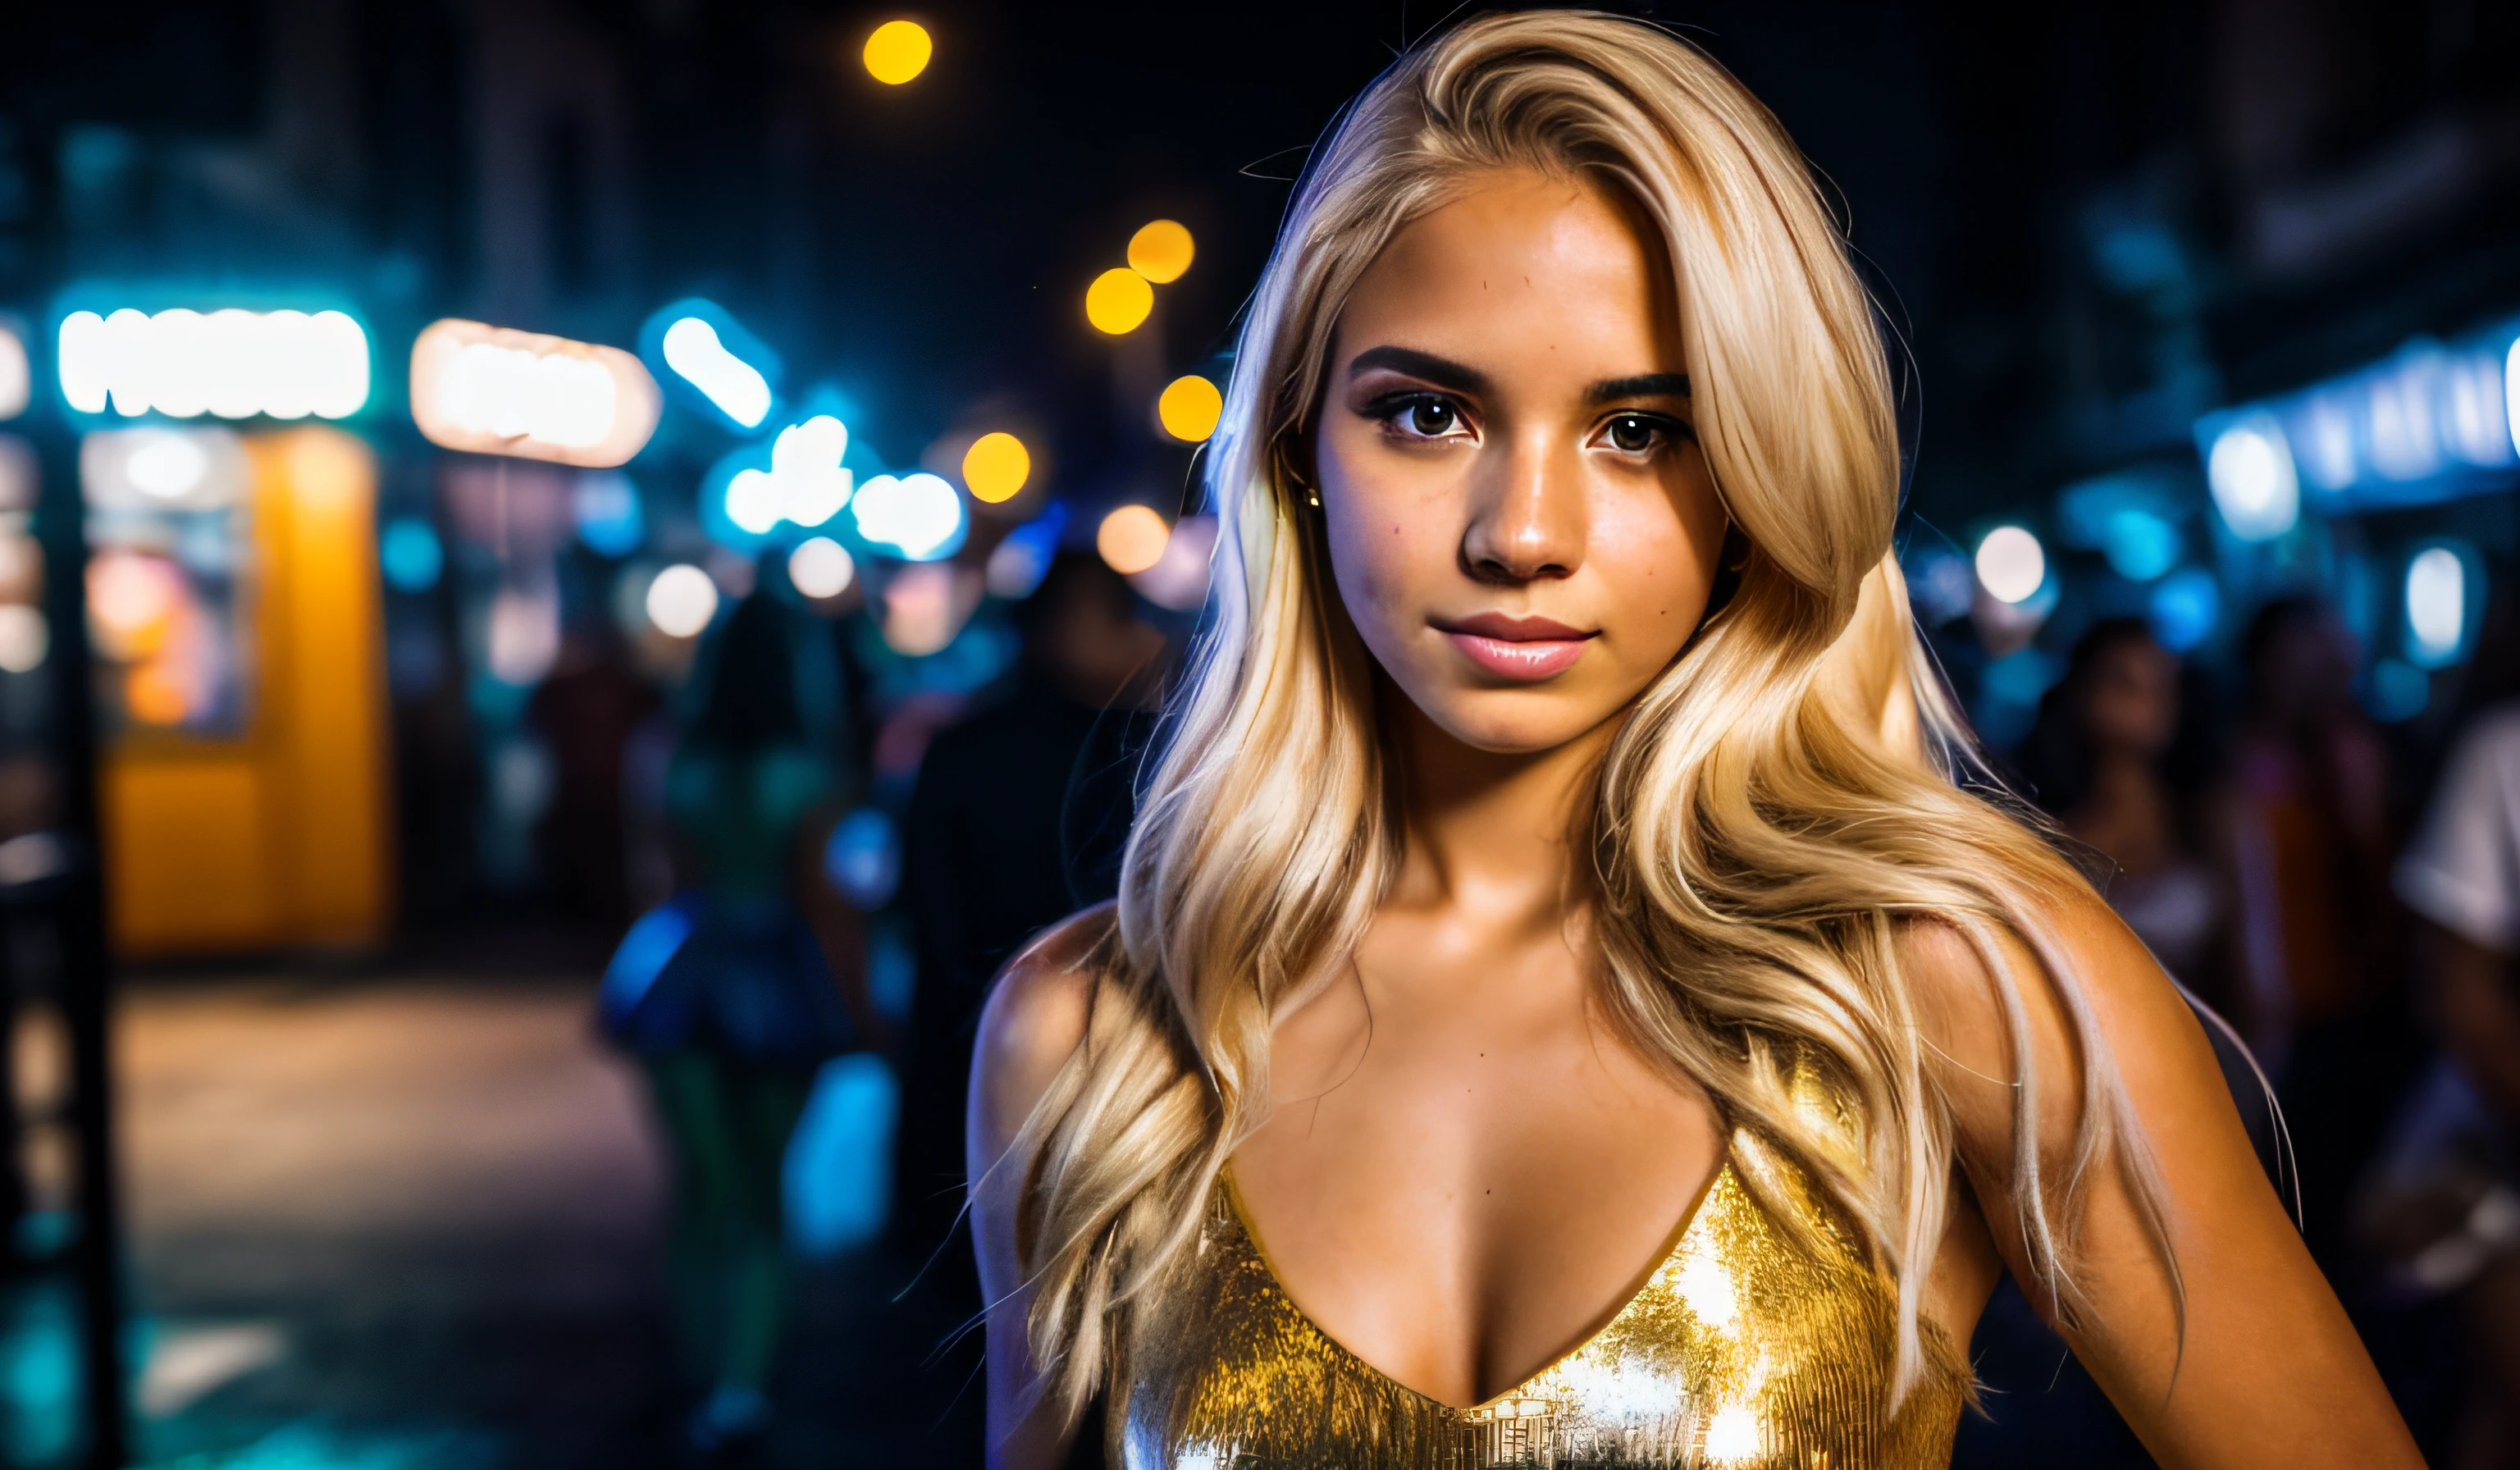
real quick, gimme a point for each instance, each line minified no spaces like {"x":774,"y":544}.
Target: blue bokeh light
{"x":411,"y":555}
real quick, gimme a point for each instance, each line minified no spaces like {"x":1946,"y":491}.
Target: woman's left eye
{"x":1635,"y":434}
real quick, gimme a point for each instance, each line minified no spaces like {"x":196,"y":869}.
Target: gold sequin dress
{"x":1743,"y":1348}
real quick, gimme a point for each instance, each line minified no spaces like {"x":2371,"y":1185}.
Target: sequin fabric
{"x":1751,"y":1344}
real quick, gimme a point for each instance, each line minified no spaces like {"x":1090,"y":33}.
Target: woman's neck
{"x":1494,"y":833}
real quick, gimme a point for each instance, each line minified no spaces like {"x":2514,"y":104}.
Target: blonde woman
{"x":1563,"y":1004}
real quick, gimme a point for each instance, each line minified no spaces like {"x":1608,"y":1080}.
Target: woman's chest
{"x":1459,"y":1196}
{"x":1739,"y":1346}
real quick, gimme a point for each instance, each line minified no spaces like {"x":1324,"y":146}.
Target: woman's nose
{"x":1528,"y":516}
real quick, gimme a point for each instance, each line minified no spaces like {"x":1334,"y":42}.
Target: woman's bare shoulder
{"x":1034,"y":1020}
{"x":2133,"y":1008}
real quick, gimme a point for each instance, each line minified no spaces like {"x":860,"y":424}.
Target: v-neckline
{"x":1643,"y":1279}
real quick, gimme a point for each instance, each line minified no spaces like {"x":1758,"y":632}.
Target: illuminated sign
{"x":2428,"y":423}
{"x":233,"y":364}
{"x":496,"y":390}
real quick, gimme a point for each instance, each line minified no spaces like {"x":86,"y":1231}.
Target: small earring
{"x":1312,"y":497}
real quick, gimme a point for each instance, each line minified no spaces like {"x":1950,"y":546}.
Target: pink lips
{"x":1524,"y":649}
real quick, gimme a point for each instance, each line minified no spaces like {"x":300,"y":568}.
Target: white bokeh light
{"x":2250,"y":471}
{"x":804,"y":483}
{"x":821,"y":567}
{"x":694,"y":350}
{"x":2436,"y":606}
{"x":919,"y":514}
{"x":681,"y":601}
{"x":2012,"y":565}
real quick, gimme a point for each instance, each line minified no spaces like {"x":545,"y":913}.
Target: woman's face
{"x":1520,"y":522}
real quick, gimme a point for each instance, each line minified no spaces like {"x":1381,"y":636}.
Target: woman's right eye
{"x":1421,"y":416}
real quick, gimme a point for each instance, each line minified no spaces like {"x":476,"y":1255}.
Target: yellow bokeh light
{"x":1119,"y":301}
{"x":996,"y":466}
{"x":1161,"y":252}
{"x":1190,"y":408}
{"x":155,"y":695}
{"x":1132,"y":539}
{"x":897,"y":52}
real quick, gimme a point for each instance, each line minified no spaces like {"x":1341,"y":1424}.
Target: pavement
{"x":415,"y":1223}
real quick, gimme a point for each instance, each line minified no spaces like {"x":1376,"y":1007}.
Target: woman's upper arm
{"x":1034,"y":1020}
{"x":2258,"y":1364}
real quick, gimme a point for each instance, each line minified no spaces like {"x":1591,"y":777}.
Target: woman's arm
{"x":1033,"y":1023}
{"x":2264,"y":1370}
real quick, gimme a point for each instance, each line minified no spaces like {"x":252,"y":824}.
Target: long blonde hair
{"x":1780,"y":800}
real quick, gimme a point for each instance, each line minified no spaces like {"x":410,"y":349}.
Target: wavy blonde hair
{"x":1776,"y":804}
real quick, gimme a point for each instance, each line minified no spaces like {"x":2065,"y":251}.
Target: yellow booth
{"x":235,"y":610}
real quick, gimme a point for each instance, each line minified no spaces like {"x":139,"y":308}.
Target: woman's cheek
{"x":1378,"y":554}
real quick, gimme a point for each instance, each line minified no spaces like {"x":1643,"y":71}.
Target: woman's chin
{"x":1514,"y":722}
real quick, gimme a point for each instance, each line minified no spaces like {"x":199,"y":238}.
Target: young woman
{"x":1561,"y":1006}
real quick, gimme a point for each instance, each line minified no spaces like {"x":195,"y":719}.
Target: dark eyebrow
{"x":1643,"y":385}
{"x":1443,"y":372}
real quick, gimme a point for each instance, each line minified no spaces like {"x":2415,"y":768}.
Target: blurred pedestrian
{"x":761,"y":980}
{"x":2305,"y":839}
{"x":585,"y":713}
{"x":2442,"y":1208}
{"x":2445,"y":1205}
{"x":987,"y":851}
{"x":2114,"y":757}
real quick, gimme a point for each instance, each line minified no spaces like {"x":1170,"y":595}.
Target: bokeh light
{"x":681,"y":601}
{"x":1188,"y":407}
{"x":821,"y":567}
{"x":926,"y":605}
{"x":898,"y":51}
{"x":804,"y":483}
{"x":1020,"y":562}
{"x":693,"y":349}
{"x":2250,"y":471}
{"x":25,"y":638}
{"x":2183,"y":608}
{"x":1119,"y":302}
{"x":410,"y":554}
{"x":16,"y":381}
{"x":2012,"y":565}
{"x":1132,"y":539}
{"x":1179,"y":578}
{"x":996,"y":466}
{"x":917,"y":514}
{"x":2436,"y":606}
{"x":604,"y":505}
{"x":862,"y":858}
{"x":1161,"y":252}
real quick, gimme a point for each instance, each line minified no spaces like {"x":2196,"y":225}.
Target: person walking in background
{"x":2441,"y":1207}
{"x":762,"y":980}
{"x":2444,"y":1206}
{"x":2114,"y":758}
{"x":2305,"y":839}
{"x":986,"y":854}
